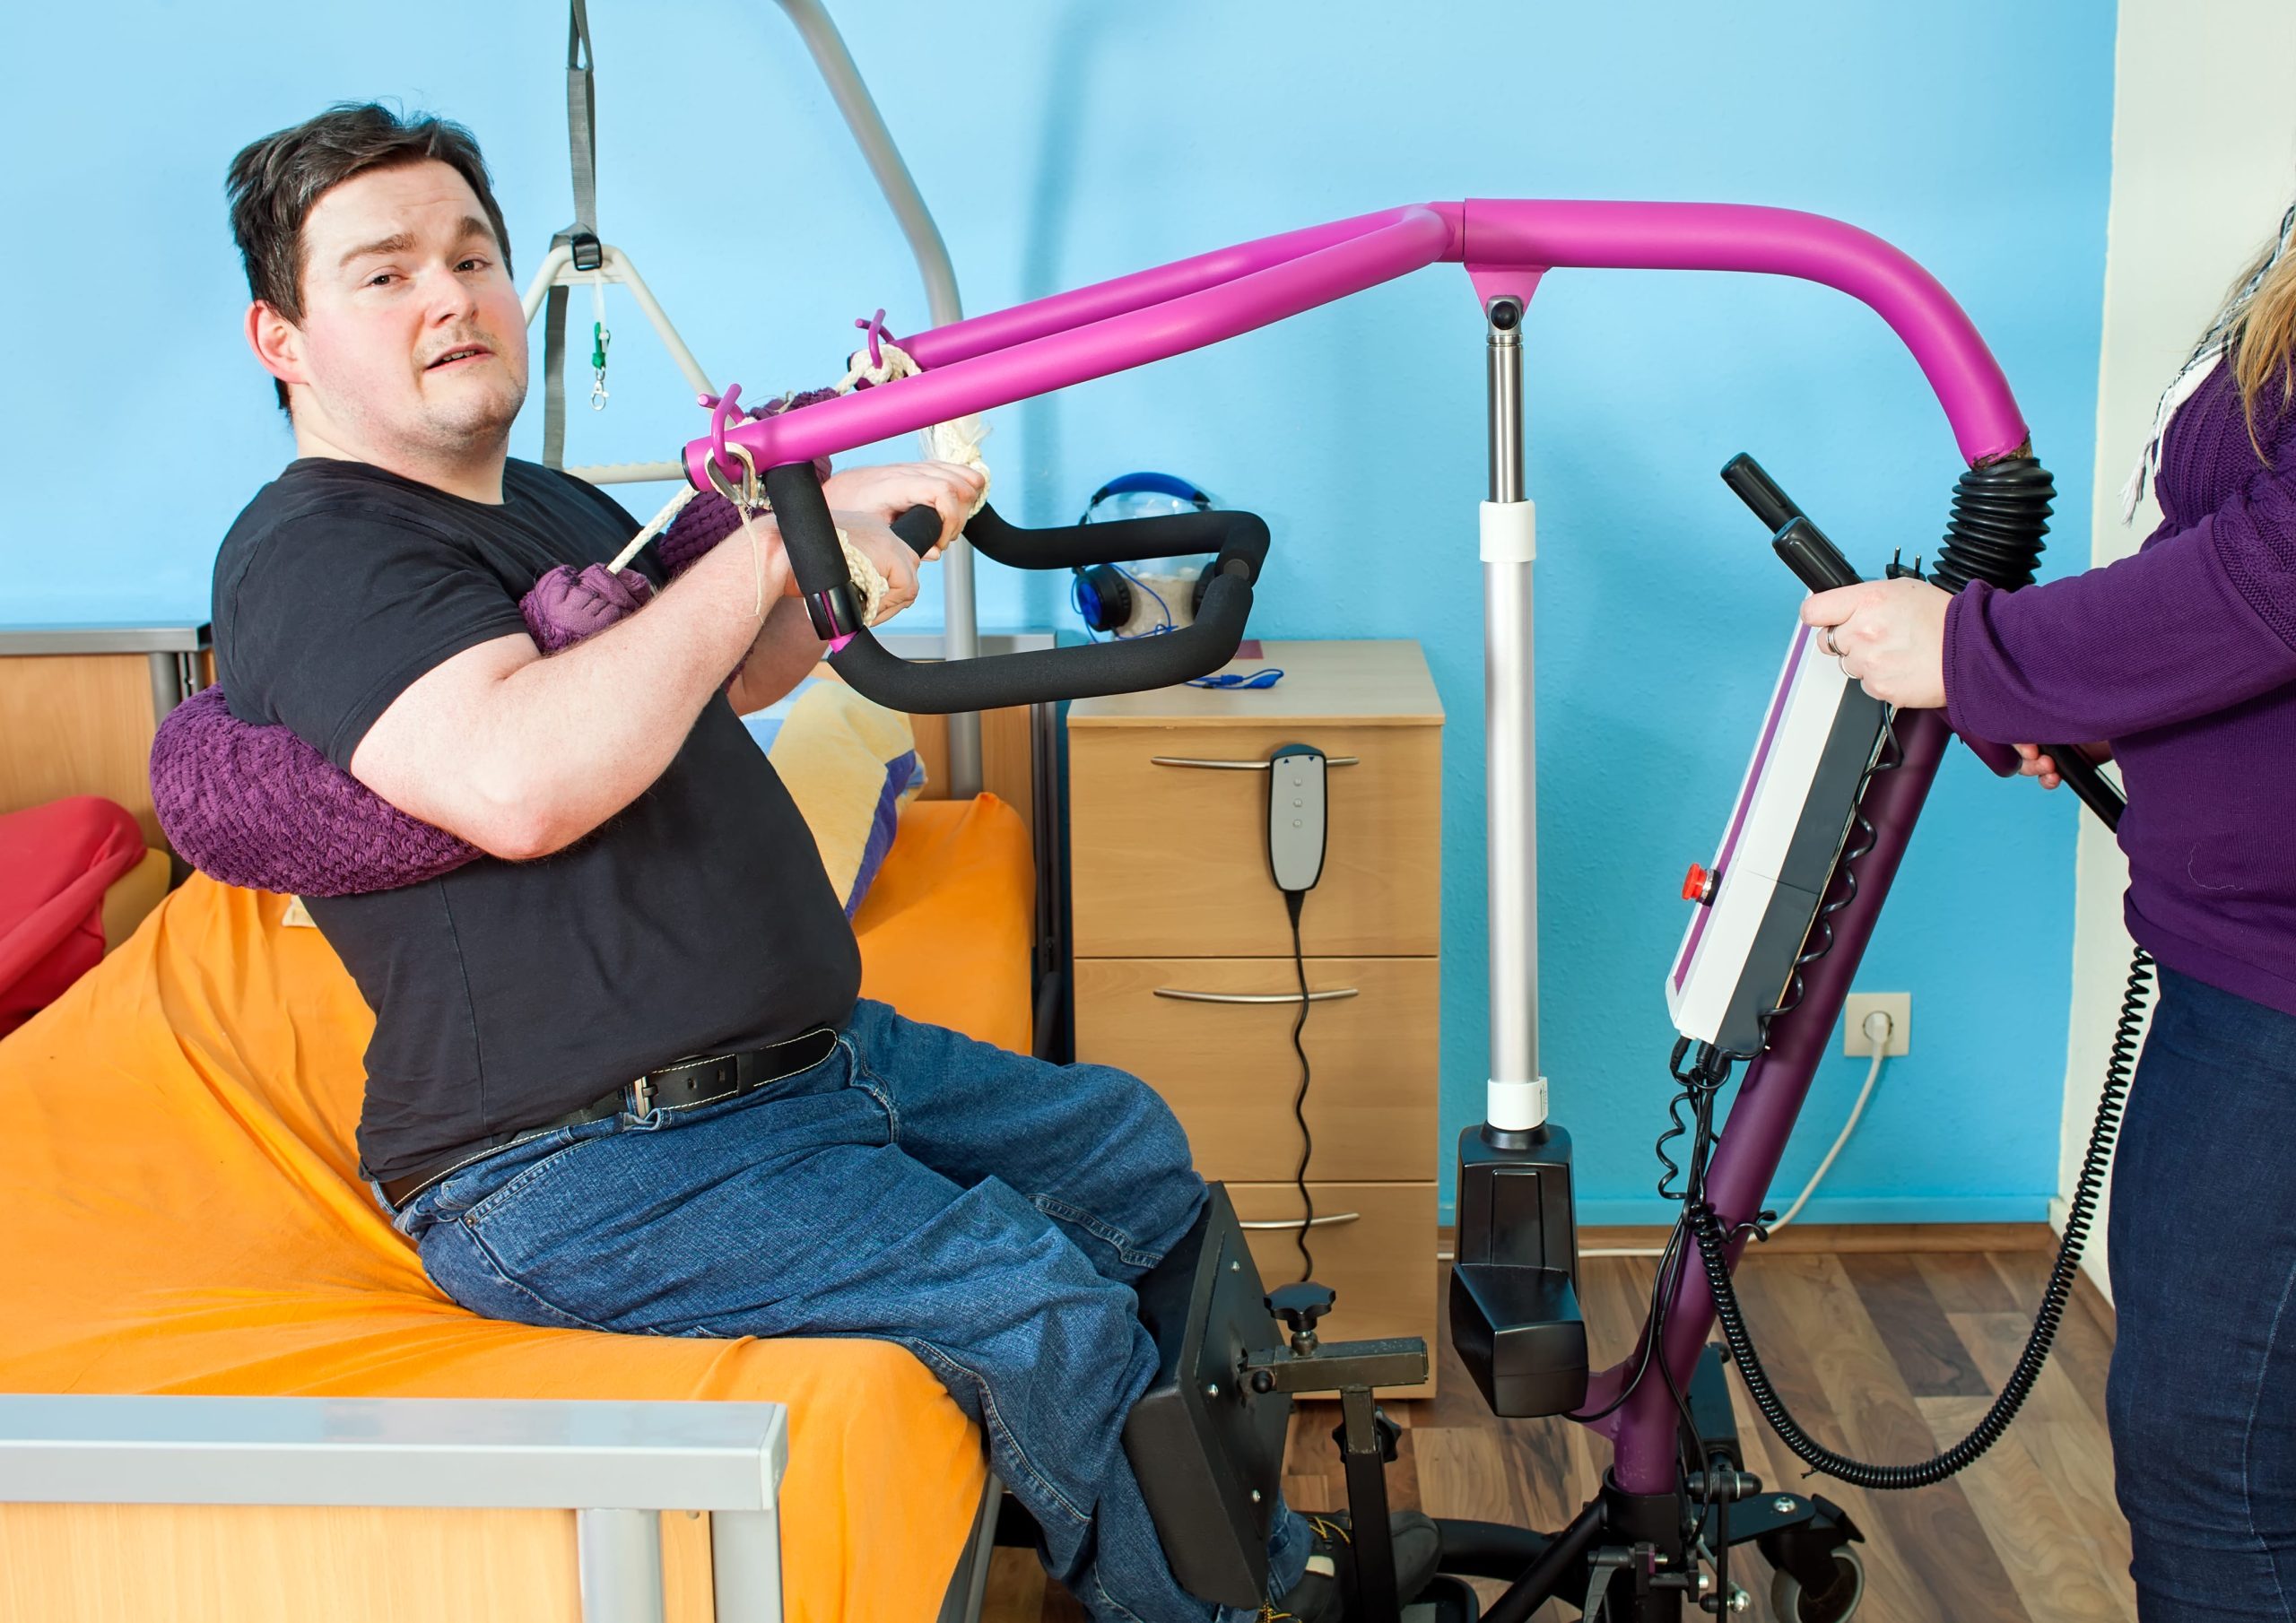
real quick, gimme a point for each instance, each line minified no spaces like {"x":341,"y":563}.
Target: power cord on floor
{"x":1878,"y":1028}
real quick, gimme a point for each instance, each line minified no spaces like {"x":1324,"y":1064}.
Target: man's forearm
{"x":577,"y":736}
{"x":785,"y":650}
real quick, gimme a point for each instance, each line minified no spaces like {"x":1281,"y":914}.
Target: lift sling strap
{"x":582,"y":236}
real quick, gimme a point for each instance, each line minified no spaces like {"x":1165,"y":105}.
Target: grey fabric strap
{"x":582,"y":116}
{"x":582,"y":151}
{"x":553,"y":375}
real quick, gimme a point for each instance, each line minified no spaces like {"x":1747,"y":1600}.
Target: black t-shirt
{"x":698,"y":920}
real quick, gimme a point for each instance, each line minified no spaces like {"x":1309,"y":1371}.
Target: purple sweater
{"x":2184,"y":656}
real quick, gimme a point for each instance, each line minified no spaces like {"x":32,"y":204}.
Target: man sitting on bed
{"x":650,"y":894}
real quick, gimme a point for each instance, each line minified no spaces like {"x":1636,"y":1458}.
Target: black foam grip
{"x":1816,"y":560}
{"x":808,"y":533}
{"x":1040,"y":675}
{"x":1760,"y":492}
{"x":920,"y":527}
{"x":1232,"y":535}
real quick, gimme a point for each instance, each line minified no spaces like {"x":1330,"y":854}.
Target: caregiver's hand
{"x":887,"y":491}
{"x":2032,"y":761}
{"x":1890,"y":635}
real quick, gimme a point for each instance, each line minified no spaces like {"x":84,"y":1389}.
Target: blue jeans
{"x":986,"y":1210}
{"x":2202,"y":1398}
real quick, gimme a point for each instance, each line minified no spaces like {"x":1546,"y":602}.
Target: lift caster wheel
{"x":1789,"y":1603}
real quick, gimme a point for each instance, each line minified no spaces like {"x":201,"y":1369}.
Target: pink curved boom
{"x":1112,"y":327}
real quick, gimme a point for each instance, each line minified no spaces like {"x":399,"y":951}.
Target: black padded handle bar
{"x":2081,"y":775}
{"x":1078,"y":546}
{"x":1037,"y":676}
{"x":1755,"y":487}
{"x":1804,"y":547}
{"x":920,"y":527}
{"x":1821,"y":566}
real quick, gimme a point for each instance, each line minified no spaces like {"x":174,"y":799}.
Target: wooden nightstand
{"x":1183,"y":951}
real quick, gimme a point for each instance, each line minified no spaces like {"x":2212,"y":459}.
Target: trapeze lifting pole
{"x":960,"y":627}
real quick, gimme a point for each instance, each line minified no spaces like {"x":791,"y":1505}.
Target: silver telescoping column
{"x":1517,"y":1093}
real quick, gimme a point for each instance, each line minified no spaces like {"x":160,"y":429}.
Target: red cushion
{"x":57,"y":861}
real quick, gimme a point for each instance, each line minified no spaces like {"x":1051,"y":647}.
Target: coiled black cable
{"x":1292,"y":900}
{"x":1713,"y":1246}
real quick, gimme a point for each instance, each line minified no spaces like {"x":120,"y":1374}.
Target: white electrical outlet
{"x":1897,"y":1005}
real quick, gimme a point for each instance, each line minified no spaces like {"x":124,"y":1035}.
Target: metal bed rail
{"x":616,"y":1465}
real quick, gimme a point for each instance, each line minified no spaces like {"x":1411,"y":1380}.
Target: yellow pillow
{"x":851,"y":765}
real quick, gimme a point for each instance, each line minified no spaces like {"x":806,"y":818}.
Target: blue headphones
{"x":1102,"y":594}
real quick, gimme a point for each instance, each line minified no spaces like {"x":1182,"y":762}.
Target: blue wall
{"x":1064,"y":142}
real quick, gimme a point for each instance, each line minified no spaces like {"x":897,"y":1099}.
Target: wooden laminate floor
{"x":1884,"y":1353}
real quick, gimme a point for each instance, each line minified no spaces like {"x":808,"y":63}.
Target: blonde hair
{"x":2262,"y":345}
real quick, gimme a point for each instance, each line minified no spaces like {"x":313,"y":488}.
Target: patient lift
{"x":1830,"y":797}
{"x":1828,"y":806}
{"x":1829,"y":801}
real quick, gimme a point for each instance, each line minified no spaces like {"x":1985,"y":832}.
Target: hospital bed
{"x":184,"y":1218}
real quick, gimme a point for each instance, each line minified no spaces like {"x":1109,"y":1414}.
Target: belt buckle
{"x":642,"y":1091}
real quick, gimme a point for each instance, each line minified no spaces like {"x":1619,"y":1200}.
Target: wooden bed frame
{"x":78,"y":706}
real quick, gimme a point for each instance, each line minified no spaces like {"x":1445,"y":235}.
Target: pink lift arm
{"x":1111,"y":327}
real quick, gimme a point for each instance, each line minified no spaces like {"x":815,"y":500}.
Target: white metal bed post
{"x":1516,"y":1099}
{"x":960,"y":632}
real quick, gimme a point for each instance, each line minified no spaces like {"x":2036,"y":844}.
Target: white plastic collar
{"x":1510,"y":532}
{"x":1515,"y":1107}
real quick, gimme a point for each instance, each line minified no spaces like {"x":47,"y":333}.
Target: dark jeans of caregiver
{"x":2203,"y":1237}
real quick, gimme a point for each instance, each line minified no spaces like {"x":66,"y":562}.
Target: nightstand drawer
{"x":1373,"y":1243}
{"x":1214,"y":1036}
{"x":1170,"y":859}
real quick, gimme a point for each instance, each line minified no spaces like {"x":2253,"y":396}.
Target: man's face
{"x":412,"y":338}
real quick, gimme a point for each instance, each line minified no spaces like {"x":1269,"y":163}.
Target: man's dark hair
{"x":274,"y":182}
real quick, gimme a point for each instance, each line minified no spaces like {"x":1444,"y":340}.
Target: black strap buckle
{"x":833,"y":612}
{"x":589,"y":254}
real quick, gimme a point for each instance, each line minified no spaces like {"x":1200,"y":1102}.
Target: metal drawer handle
{"x":1321,"y":1222}
{"x":1243,"y":766}
{"x":1179,"y":997}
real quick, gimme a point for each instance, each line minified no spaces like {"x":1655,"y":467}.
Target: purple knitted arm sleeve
{"x":2200,"y":620}
{"x":256,"y":806}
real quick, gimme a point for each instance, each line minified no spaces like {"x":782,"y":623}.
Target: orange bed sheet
{"x":182,"y":1212}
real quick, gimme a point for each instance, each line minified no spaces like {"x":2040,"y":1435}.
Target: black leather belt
{"x":679,"y":1086}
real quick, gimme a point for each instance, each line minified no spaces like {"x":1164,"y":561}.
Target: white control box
{"x":1755,"y":903}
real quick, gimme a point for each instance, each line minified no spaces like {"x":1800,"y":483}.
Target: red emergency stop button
{"x":1698,"y":885}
